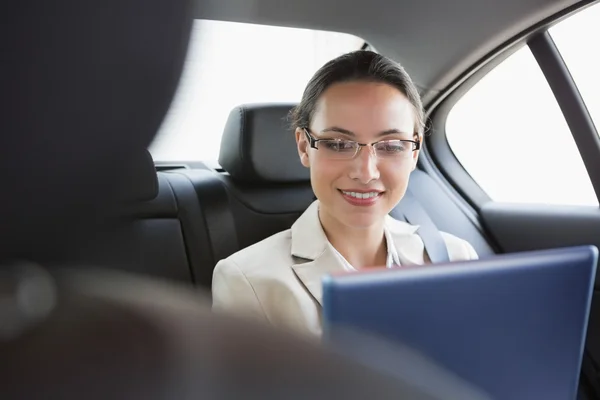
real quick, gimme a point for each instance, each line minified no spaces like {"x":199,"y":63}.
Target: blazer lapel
{"x":311,"y":247}
{"x":311,"y":273}
{"x":408,"y":244}
{"x":317,"y":259}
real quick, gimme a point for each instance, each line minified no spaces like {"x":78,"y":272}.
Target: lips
{"x":361,"y":197}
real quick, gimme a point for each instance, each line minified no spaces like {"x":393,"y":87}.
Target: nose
{"x":364,"y":166}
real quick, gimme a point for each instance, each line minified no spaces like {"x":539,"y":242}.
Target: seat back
{"x":268,"y":186}
{"x":148,"y":238}
{"x":206,"y":219}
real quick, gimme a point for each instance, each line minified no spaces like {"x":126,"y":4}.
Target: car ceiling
{"x":435,"y":40}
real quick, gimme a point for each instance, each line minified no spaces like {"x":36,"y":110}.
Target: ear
{"x":302,"y":143}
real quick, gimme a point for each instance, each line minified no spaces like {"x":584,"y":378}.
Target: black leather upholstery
{"x":258,"y":145}
{"x":149,"y":236}
{"x":261,"y":211}
{"x":206,"y":219}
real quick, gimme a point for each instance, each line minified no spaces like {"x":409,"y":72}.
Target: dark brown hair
{"x":361,"y":65}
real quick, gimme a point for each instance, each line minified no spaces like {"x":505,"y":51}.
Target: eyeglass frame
{"x":312,"y":141}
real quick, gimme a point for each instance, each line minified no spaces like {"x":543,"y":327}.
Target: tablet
{"x":513,"y":325}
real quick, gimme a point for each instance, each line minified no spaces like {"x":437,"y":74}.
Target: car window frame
{"x":438,"y":158}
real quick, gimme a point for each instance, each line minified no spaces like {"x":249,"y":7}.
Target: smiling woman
{"x":358,"y":129}
{"x":378,"y":170}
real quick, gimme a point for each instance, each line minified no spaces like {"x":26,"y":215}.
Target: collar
{"x":317,"y":258}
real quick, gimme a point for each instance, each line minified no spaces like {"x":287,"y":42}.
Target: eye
{"x":338,"y":145}
{"x":394,"y":146}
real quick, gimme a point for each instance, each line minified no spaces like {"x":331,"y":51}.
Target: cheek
{"x":324,"y":172}
{"x":395,"y":177}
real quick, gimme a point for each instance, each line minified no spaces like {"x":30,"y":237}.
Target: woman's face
{"x":359,"y":191}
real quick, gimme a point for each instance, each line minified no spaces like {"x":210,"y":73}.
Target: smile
{"x":358,"y":195}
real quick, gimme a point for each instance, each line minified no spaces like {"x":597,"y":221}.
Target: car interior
{"x":187,"y":214}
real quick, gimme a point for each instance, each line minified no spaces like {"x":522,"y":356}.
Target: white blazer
{"x":278,"y":280}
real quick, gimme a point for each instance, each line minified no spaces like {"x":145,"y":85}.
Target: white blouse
{"x":392,"y":259}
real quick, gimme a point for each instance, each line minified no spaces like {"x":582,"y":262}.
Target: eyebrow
{"x":350,"y":133}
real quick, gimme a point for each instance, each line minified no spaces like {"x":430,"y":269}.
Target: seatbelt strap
{"x":409,"y":209}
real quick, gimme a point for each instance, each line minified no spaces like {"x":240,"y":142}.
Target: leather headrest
{"x":141,"y":181}
{"x":258,"y":145}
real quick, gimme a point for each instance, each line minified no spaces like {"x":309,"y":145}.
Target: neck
{"x":361,"y":247}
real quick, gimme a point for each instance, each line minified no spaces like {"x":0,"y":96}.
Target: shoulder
{"x":236,"y":280}
{"x":407,"y":234}
{"x":458,"y":249}
{"x":266,"y":254}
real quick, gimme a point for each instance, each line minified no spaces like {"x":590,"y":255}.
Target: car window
{"x":510,"y":135}
{"x":578,"y":40}
{"x":229,"y":64}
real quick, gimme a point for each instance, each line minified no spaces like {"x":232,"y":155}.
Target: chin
{"x":361,"y":220}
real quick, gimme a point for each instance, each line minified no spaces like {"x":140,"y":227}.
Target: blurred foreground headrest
{"x":85,"y":84}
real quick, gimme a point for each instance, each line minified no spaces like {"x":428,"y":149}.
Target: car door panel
{"x":523,"y":227}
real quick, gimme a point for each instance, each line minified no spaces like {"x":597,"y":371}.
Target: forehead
{"x":364,"y":108}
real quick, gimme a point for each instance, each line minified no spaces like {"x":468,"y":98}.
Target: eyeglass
{"x":343,"y":149}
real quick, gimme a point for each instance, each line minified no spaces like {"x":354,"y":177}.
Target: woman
{"x":358,"y":129}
